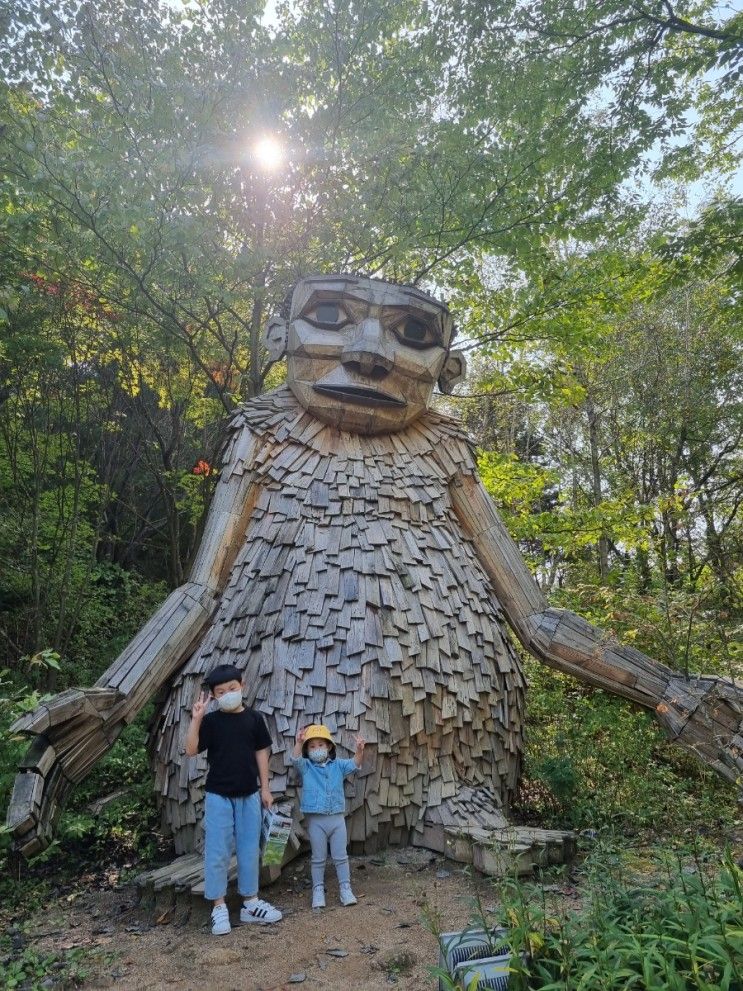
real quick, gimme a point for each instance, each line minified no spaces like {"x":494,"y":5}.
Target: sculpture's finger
{"x":68,"y":706}
{"x":34,"y":808}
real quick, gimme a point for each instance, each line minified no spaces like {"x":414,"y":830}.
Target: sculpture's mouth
{"x":360,"y":395}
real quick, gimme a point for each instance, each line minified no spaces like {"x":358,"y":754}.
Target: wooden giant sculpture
{"x":355,"y":569}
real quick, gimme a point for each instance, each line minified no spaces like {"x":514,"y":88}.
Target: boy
{"x":237,"y":747}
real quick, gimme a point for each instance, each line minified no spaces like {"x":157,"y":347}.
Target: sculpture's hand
{"x":72,"y":732}
{"x":705,"y":715}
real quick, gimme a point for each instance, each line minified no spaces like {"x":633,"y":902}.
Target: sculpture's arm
{"x":74,"y":729}
{"x":703,"y":714}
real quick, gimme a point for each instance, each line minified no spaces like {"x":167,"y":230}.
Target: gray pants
{"x":324,"y":830}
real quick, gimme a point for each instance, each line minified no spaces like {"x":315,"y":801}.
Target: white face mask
{"x":319,"y":755}
{"x":230,"y":701}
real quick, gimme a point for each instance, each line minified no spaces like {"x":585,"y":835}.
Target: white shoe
{"x":220,"y":921}
{"x":260,"y":912}
{"x":347,"y":896}
{"x":318,"y":896}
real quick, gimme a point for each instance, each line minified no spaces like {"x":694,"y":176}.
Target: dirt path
{"x":379,"y":943}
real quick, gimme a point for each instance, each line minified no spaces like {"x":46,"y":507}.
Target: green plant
{"x":592,"y":761}
{"x":126,"y":827}
{"x":676,"y":927}
{"x":650,"y":921}
{"x":31,"y":970}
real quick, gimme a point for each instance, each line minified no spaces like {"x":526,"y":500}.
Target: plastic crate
{"x":491,"y":973}
{"x":459,"y":949}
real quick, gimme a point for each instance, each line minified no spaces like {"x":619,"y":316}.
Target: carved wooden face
{"x":363,"y":354}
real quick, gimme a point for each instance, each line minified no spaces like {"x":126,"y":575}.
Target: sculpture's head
{"x":364,"y":354}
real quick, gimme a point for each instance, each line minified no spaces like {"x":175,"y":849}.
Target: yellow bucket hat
{"x":318,"y":732}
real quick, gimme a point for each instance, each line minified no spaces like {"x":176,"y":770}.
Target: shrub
{"x":676,"y":925}
{"x":592,"y":760}
{"x":674,"y":929}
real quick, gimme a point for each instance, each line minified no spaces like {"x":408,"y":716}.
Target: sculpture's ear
{"x":274,"y":337}
{"x":454,"y":370}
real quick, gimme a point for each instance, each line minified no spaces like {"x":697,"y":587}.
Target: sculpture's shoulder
{"x":271,"y":417}
{"x":449,"y":441}
{"x":267,"y":412}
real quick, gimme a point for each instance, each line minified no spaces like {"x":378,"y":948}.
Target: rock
{"x":337,"y":952}
{"x":442,"y":874}
{"x":298,"y":978}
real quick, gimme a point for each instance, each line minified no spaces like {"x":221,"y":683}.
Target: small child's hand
{"x":199,"y":706}
{"x":301,"y":734}
{"x":360,"y":744}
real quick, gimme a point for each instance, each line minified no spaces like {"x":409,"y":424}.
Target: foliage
{"x":30,"y":970}
{"x":592,"y":761}
{"x":670,"y":922}
{"x":677,"y":929}
{"x":126,"y":829}
{"x":613,"y":432}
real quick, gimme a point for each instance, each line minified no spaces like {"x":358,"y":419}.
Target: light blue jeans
{"x":231,"y":825}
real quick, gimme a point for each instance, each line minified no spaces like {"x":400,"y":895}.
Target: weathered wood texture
{"x":356,"y":600}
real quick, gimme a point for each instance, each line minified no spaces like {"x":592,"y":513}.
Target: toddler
{"x":324,"y":804}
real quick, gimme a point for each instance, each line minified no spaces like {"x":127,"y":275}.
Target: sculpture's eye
{"x":329,"y":315}
{"x":416,"y":334}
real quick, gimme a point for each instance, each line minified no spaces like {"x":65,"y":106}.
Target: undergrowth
{"x":593,"y":761}
{"x":661,"y":922}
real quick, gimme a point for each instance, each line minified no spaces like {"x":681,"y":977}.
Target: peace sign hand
{"x":199,"y":706}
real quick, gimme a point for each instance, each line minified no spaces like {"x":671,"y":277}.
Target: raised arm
{"x":703,"y":714}
{"x":74,"y":729}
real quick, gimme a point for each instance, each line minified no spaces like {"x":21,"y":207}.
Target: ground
{"x":379,"y":943}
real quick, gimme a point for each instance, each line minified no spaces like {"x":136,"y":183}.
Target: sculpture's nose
{"x":367,"y":353}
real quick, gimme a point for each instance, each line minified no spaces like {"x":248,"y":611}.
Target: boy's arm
{"x":261,"y":758}
{"x":197,"y":715}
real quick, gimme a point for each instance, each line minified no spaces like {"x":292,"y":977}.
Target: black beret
{"x":222,"y":674}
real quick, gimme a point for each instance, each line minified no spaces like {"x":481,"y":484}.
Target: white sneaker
{"x":347,"y":896}
{"x":220,"y":921}
{"x":260,"y":912}
{"x":318,"y":896}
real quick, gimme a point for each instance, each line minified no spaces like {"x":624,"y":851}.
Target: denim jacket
{"x":322,"y":784}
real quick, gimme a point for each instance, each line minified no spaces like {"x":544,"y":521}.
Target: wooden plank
{"x":24,"y":802}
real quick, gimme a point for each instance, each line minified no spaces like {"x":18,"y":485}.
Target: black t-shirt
{"x":231,"y":740}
